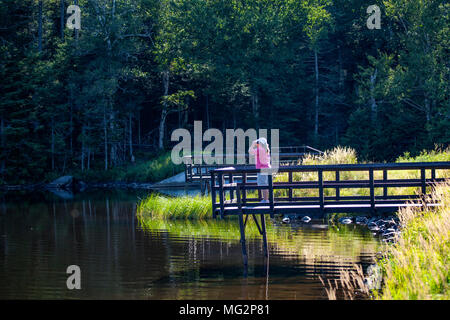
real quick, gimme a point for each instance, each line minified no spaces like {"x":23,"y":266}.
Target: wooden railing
{"x":287,"y":156}
{"x":230,"y":186}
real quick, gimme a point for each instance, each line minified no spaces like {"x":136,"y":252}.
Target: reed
{"x":185,"y":207}
{"x":350,"y":283}
{"x":416,"y":266}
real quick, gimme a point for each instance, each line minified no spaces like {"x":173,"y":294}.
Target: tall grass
{"x":417,"y":265}
{"x":337,"y":155}
{"x":185,"y":207}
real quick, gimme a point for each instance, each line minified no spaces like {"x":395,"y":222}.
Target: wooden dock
{"x":230,"y":187}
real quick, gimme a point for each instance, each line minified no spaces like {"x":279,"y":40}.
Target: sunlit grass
{"x":417,"y":266}
{"x":185,"y":207}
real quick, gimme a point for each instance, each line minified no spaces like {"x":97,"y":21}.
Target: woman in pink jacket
{"x":260,"y":149}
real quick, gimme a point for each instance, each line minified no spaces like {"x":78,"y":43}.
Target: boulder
{"x":345,"y":220}
{"x":306,"y":219}
{"x":65,"y":182}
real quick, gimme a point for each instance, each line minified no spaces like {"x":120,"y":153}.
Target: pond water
{"x":120,"y":258}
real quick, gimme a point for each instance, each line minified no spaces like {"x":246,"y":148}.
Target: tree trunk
{"x":255,"y":107}
{"x":53,"y":144}
{"x":162,"y":128}
{"x":71,"y":102}
{"x":40,"y":27}
{"x":113,"y":151}
{"x":2,"y":144}
{"x":75,"y":2}
{"x":428,"y":110}
{"x":164,"y":112}
{"x":64,"y":162}
{"x":336,"y":133}
{"x":341,"y":71}
{"x":130,"y":135}
{"x":89,"y":159}
{"x":105,"y":133}
{"x":62,"y":14}
{"x":207,"y":112}
{"x":83,"y":147}
{"x":316,"y":109}
{"x":139,"y":127}
{"x":186,"y":113}
{"x":373,"y":102}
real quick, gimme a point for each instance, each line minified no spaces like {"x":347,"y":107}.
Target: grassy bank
{"x":418,"y":265}
{"x":148,"y":168}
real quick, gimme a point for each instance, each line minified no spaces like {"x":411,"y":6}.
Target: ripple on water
{"x":121,"y":259}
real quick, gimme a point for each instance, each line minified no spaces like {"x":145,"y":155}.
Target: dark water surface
{"x":41,"y":235}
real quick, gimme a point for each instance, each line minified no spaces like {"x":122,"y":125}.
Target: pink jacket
{"x":262,"y":157}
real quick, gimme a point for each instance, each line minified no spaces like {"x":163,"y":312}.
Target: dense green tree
{"x":91,"y":99}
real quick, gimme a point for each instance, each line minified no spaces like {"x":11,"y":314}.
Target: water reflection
{"x":123,"y":258}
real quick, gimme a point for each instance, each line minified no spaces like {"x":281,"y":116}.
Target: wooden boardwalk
{"x":230,"y":188}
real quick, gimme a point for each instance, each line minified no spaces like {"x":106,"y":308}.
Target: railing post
{"x":242,"y":226}
{"x":372,"y":190}
{"x":213,"y":194}
{"x":264,"y":235}
{"x":385,"y":189}
{"x":423,"y":180}
{"x":238,"y":198}
{"x":244,"y":181}
{"x":230,"y":181}
{"x":433,"y":174}
{"x":290,"y":188}
{"x":338,"y":190}
{"x":271,"y":196}
{"x":321,"y":197}
{"x":221,"y":197}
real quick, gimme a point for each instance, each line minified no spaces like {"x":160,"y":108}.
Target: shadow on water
{"x":123,"y":258}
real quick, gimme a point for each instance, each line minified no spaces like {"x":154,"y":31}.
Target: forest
{"x":103,"y":96}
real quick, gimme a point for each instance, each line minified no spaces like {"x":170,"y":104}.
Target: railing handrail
{"x":246,"y":155}
{"x":340,"y":167}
